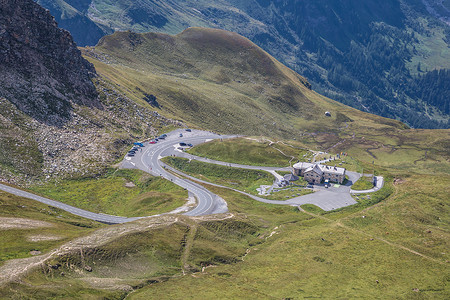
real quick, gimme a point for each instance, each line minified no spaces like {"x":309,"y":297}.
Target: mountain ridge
{"x":362,"y":54}
{"x":224,"y":74}
{"x":42,"y":71}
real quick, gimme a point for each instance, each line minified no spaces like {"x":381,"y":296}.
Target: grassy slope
{"x":363,"y":183}
{"x":241,"y":179}
{"x":198,"y":77}
{"x":249,"y":152}
{"x":14,"y":243}
{"x":156,"y":255}
{"x":108,"y":194}
{"x":343,"y":252}
{"x":221,"y":81}
{"x":20,"y":153}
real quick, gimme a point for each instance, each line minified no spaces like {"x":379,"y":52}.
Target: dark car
{"x":188,"y":130}
{"x":190,"y":145}
{"x":183,"y":144}
{"x":130,"y":154}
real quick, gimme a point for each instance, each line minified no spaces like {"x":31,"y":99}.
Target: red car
{"x":152,"y":142}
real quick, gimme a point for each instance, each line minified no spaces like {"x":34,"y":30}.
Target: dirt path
{"x":15,"y":269}
{"x":338,"y":223}
{"x":189,"y":241}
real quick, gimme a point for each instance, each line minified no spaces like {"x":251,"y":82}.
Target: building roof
{"x":290,"y":177}
{"x":323,"y":169}
{"x":302,"y":165}
{"x":333,"y":170}
{"x":316,"y":169}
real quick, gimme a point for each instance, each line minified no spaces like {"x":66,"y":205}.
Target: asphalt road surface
{"x":74,"y":210}
{"x":330,"y":198}
{"x":148,"y":159}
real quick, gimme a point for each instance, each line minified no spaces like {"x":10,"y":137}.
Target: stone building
{"x":316,"y":173}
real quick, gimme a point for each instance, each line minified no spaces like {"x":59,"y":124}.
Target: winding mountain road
{"x":108,"y":219}
{"x":148,"y":158}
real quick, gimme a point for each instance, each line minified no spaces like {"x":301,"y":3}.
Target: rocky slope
{"x":41,"y":69}
{"x":56,"y":118}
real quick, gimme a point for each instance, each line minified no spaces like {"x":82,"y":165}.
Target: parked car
{"x":183,"y":144}
{"x":190,"y":145}
{"x":188,"y":130}
{"x":130,"y":154}
{"x":181,"y":135}
{"x":152,"y":142}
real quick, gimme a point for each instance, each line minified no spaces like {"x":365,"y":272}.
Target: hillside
{"x":220,"y":80}
{"x":391,"y":244}
{"x":41,"y":69}
{"x":364,"y":54}
{"x":54,"y":120}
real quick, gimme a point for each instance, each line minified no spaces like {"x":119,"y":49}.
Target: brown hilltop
{"x":213,"y":78}
{"x":41,"y":69}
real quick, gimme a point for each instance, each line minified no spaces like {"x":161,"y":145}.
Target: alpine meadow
{"x":224,"y":149}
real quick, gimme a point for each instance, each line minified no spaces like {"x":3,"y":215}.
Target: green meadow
{"x":27,"y":225}
{"x":129,"y":193}
{"x":393,"y":244}
{"x":250,"y":151}
{"x":240,"y":179}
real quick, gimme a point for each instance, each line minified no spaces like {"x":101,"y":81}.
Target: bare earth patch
{"x":130,"y":185}
{"x":20,"y":223}
{"x":399,"y":181}
{"x":13,"y":269}
{"x":108,"y":283}
{"x":40,"y":238}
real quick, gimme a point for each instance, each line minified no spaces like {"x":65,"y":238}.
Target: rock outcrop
{"x":42,"y":71}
